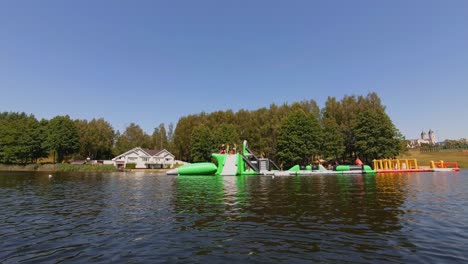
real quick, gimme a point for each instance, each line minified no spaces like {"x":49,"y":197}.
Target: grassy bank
{"x":423,"y":158}
{"x":57,"y":167}
{"x":85,"y":167}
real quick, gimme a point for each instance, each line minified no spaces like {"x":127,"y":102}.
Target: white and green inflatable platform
{"x":247,"y":163}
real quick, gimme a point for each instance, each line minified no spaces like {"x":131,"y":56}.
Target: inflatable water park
{"x":246,"y":162}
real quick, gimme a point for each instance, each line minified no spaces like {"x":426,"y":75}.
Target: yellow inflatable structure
{"x":396,"y":164}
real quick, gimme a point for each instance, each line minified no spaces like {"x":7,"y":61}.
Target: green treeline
{"x":290,"y":134}
{"x":24,"y":139}
{"x":295,"y":134}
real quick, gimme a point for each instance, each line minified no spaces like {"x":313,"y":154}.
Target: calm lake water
{"x":146,"y":217}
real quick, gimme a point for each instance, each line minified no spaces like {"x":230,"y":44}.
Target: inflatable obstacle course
{"x":246,"y":162}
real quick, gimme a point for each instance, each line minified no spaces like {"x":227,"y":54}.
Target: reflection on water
{"x":144,"y":217}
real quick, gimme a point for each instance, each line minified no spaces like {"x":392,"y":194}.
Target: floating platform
{"x":246,"y":162}
{"x":405,"y":170}
{"x":411,"y":165}
{"x":320,"y":171}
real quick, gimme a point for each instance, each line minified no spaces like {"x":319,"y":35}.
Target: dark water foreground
{"x":144,"y":217}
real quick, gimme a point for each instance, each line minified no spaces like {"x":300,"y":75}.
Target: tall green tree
{"x":86,"y":143}
{"x":170,"y":137}
{"x":375,"y":136}
{"x":96,"y":138}
{"x":299,"y":139}
{"x":159,"y":137}
{"x":39,"y":147}
{"x":8,"y":136}
{"x":33,"y":138}
{"x":62,"y":137}
{"x":21,"y":138}
{"x":247,"y":128}
{"x":202,"y":144}
{"x":132,"y":137}
{"x":346,"y":113}
{"x":225,"y":134}
{"x":183,"y":136}
{"x":332,"y":140}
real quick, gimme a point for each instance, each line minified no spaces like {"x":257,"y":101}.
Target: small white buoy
{"x":273,"y":176}
{"x":50,"y":175}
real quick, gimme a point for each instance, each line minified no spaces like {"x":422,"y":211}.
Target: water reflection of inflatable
{"x":199,"y":194}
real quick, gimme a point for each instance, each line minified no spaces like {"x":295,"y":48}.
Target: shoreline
{"x":70,"y":168}
{"x":28,"y":167}
{"x":57,"y":168}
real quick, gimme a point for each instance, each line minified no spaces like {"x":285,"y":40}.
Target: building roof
{"x":156,"y":152}
{"x":149,"y":152}
{"x":152,"y":152}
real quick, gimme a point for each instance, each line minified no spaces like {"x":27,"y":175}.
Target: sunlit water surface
{"x":146,"y":217}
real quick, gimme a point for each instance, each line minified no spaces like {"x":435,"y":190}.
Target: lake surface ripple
{"x":146,"y":217}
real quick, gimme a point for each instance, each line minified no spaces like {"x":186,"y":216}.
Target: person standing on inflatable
{"x":358,"y":161}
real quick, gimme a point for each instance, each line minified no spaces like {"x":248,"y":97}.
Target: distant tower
{"x":423,"y":135}
{"x":432,"y":137}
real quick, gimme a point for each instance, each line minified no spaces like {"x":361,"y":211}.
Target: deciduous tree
{"x":332,"y":140}
{"x":225,"y":134}
{"x":202,"y":144}
{"x":299,"y":139}
{"x":96,"y":138}
{"x":62,"y":137}
{"x":159,"y":138}
{"x":21,"y":138}
{"x":375,"y":136}
{"x":132,"y":137}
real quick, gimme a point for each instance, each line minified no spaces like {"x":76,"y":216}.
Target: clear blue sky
{"x":150,"y":62}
